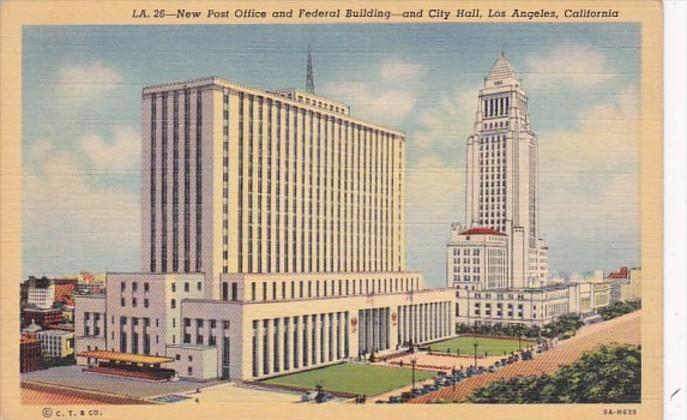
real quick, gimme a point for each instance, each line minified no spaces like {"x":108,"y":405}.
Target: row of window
{"x":134,"y":286}
{"x":497,"y":124}
{"x":494,"y":107}
{"x":288,"y":253}
{"x":466,"y":251}
{"x":323,"y":288}
{"x":466,"y":277}
{"x":164,"y":186}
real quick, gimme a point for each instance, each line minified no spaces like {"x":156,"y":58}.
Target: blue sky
{"x":81,"y":113}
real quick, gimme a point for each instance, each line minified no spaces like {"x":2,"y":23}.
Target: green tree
{"x":609,"y":374}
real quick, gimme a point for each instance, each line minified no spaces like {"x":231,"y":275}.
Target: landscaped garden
{"x":489,"y":346}
{"x":352,"y":378}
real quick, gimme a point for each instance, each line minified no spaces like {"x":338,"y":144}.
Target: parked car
{"x":323,"y":397}
{"x":405,"y":396}
{"x":395,"y":399}
{"x":417,"y":392}
{"x":309,"y":396}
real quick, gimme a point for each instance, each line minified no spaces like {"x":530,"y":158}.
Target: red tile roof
{"x":623,"y":273}
{"x":482,"y":231}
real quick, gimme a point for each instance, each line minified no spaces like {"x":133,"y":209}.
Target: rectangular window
{"x":234,"y":291}
{"x":225,"y":291}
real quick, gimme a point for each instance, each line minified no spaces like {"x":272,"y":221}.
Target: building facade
{"x":56,"y":344}
{"x":41,"y":317}
{"x":42,"y":298}
{"x":238,"y":180}
{"x":498,"y":263}
{"x":30,"y":356}
{"x":273,"y":239}
{"x":502,"y":175}
{"x":477,"y":258}
{"x":527,"y":306}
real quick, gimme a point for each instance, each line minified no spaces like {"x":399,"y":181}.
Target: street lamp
{"x":519,"y":342}
{"x":475,"y":344}
{"x":412,"y":363}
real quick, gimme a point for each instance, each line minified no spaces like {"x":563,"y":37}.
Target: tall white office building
{"x":502,"y":174}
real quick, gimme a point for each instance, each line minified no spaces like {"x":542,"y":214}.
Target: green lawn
{"x":353,"y":378}
{"x":493,"y":346}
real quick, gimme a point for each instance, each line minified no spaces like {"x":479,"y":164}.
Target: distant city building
{"x":498,"y":262}
{"x":56,"y":344}
{"x":32,"y":328}
{"x":273,"y":239}
{"x":625,"y":284}
{"x":42,"y":298}
{"x":42,"y":317}
{"x":30,"y":355}
{"x":502,"y":175}
{"x":527,"y":306}
{"x":43,"y":292}
{"x":633,"y":289}
{"x":477,"y":258}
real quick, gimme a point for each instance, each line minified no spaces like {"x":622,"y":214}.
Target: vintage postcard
{"x":327,"y":209}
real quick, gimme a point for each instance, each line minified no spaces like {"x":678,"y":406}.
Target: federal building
{"x":273,"y":240}
{"x":497,"y":261}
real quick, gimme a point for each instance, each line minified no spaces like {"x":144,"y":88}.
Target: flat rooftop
{"x":74,"y":377}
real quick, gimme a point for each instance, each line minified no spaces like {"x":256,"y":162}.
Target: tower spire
{"x":309,"y":80}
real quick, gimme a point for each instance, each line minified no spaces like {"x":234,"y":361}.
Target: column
{"x":287,"y":339}
{"x":323,"y":338}
{"x":297,"y":338}
{"x":340,"y":334}
{"x":268,"y":348}
{"x":421,"y":328}
{"x":259,"y":347}
{"x":304,"y":341}
{"x":411,"y":324}
{"x":425,"y":322}
{"x":406,"y":323}
{"x":386,"y":327}
{"x":435,"y":320}
{"x":431,"y":320}
{"x":332,"y":342}
{"x":400,"y":325}
{"x":314,"y":342}
{"x":377,"y":319}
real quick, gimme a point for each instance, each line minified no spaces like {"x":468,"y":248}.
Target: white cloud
{"x":589,"y":179}
{"x":69,"y":221}
{"x":121,"y":154}
{"x":388,"y":106}
{"x":395,"y":69}
{"x":83,"y":82}
{"x":387,"y":96}
{"x":568,"y":64}
{"x":449,"y":122}
{"x":606,"y":139}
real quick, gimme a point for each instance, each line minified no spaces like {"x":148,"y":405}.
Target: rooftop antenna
{"x":309,"y":80}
